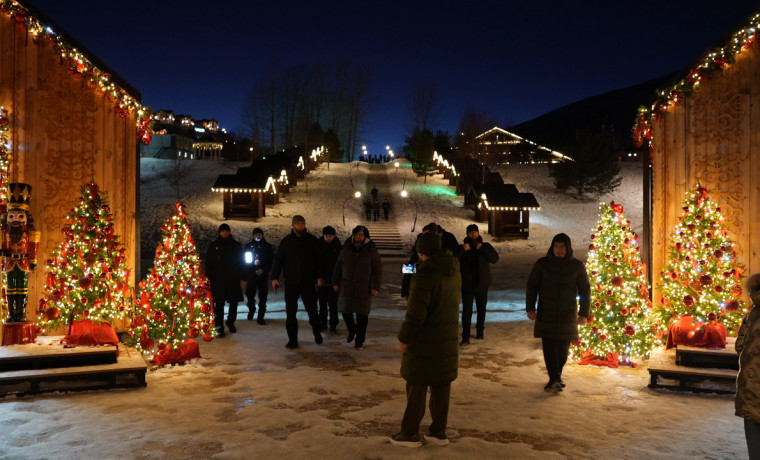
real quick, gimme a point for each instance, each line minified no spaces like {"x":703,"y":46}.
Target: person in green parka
{"x":559,"y":281}
{"x":428,"y":339}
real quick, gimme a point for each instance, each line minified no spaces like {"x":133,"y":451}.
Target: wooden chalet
{"x":66,"y":118}
{"x":506,"y":210}
{"x":705,"y":129}
{"x":499,"y":146}
{"x":246,"y":193}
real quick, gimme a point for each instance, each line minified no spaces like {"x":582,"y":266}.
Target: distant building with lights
{"x":182,"y":137}
{"x":506,"y":210}
{"x":499,"y":146}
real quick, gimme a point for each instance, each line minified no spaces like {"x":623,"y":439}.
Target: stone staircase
{"x":383,"y":232}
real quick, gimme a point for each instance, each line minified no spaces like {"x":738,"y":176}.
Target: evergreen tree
{"x":620,"y":320}
{"x":702,"y":277}
{"x":86,"y":277}
{"x":175,"y":300}
{"x":593,"y":168}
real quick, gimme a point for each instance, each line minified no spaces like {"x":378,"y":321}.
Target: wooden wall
{"x":63,"y":134}
{"x":712,"y":138}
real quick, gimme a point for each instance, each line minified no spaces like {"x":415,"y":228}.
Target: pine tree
{"x":86,"y":275}
{"x":620,"y":319}
{"x":175,"y":300}
{"x":702,"y":277}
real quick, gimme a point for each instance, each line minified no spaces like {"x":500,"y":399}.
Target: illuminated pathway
{"x":384,"y":232}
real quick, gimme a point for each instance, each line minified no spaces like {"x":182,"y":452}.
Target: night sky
{"x":516,"y":60}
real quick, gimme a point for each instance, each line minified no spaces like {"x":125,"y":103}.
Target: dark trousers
{"x":328,"y":302}
{"x":369,"y":214}
{"x":376,"y":214}
{"x":358,"y":326}
{"x":555,"y":356}
{"x":415,"y":408}
{"x":481,"y":300}
{"x":385,"y":213}
{"x":309,"y":297}
{"x":219,"y":314}
{"x":258,"y":284}
{"x":752,"y":433}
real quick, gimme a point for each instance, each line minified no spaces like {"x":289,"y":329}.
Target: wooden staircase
{"x":47,"y":366}
{"x":695,"y":369}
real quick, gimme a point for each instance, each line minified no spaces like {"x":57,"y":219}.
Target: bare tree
{"x":176,"y":175}
{"x":424,"y":107}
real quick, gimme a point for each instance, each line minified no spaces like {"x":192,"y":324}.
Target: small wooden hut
{"x":506,"y":210}
{"x":246,"y":193}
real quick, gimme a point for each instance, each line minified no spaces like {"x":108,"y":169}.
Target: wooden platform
{"x":721,"y":358}
{"x":47,"y":366}
{"x":662,"y":366}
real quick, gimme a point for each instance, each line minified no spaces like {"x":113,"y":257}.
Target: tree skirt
{"x":85,"y":332}
{"x":184,"y":352}
{"x":707,"y":335}
{"x":611,"y":360}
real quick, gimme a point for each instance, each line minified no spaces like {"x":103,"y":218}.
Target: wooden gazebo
{"x":246,"y":193}
{"x":506,"y":210}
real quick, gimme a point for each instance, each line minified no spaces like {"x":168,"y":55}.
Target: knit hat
{"x":257,"y":230}
{"x":472,"y":228}
{"x":224,"y":227}
{"x":297,"y":218}
{"x":428,"y":243}
{"x":360,"y":228}
{"x":328,"y":230}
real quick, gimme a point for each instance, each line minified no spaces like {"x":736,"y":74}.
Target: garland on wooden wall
{"x":5,"y":172}
{"x":714,"y":61}
{"x":80,"y":66}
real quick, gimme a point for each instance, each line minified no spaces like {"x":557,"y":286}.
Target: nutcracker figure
{"x":19,"y":249}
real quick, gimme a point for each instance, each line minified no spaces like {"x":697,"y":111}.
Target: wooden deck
{"x":662,"y":365}
{"x":47,"y":366}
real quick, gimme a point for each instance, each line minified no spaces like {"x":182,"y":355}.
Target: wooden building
{"x":68,"y":119}
{"x":499,"y":146}
{"x":246,"y":193}
{"x":706,"y":129}
{"x":506,"y":210}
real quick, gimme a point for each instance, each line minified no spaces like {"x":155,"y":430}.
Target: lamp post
{"x":364,"y":152}
{"x":405,"y":194}
{"x":357,"y":194}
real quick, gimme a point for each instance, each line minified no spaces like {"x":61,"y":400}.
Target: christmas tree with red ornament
{"x":702,"y":279}
{"x":175,"y":300}
{"x":619,"y":327}
{"x":86,"y":278}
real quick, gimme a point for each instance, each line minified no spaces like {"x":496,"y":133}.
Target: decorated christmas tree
{"x":702,"y":278}
{"x":86,"y":278}
{"x":175,"y":301}
{"x":619,"y":327}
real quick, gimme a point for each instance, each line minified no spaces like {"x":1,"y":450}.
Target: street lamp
{"x":405,"y":194}
{"x":357,"y":194}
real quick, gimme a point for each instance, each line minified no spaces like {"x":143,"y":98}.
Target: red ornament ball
{"x":161,"y":345}
{"x":705,"y":280}
{"x":159,"y":316}
{"x":590,"y":318}
{"x":208,"y":337}
{"x":591,"y":247}
{"x":193,"y":332}
{"x":688,"y":300}
{"x":85,"y":282}
{"x":712,"y":316}
{"x":603,"y":337}
{"x":718,"y":288}
{"x":718,"y":254}
{"x":629,"y":330}
{"x":52,"y":313}
{"x":624,"y":311}
{"x":595,"y":330}
{"x":617,"y":281}
{"x":732,"y":305}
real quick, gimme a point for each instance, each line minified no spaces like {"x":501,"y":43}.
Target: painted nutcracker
{"x":19,"y":248}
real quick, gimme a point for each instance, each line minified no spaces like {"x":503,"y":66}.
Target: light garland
{"x":80,"y":66}
{"x":714,"y":61}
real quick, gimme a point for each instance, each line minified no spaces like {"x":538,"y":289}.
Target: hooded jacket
{"x":297,"y":258}
{"x":557,"y":283}
{"x":475,"y":264}
{"x":328,"y":257}
{"x":431,"y":325}
{"x":224,"y":269}
{"x":748,"y":346}
{"x":358,"y":271}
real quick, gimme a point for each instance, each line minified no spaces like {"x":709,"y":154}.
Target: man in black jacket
{"x":258,"y":257}
{"x":297,"y":258}
{"x":448,"y":241}
{"x":329,"y":250}
{"x":224,"y":270}
{"x":475,"y":258}
{"x":560,"y":283}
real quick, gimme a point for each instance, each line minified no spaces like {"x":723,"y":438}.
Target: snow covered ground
{"x":249,"y":397}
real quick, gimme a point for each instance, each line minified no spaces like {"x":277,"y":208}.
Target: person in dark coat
{"x":374,"y":192}
{"x":376,"y":210}
{"x":297,"y":259}
{"x":559,"y":281}
{"x":258,"y":256}
{"x":448,"y":241}
{"x":475,"y":258}
{"x":386,"y":208}
{"x":368,"y":208}
{"x":357,"y":277}
{"x":330,"y":248}
{"x":225,"y":273}
{"x":428,"y":340}
{"x":747,"y":383}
